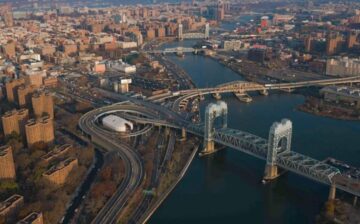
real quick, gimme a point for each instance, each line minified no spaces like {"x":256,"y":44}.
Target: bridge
{"x":275,"y":150}
{"x":194,"y":36}
{"x":174,"y":50}
{"x":244,"y":87}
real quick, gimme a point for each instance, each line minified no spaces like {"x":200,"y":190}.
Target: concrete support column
{"x":209,"y":147}
{"x":264,"y":92}
{"x":217,"y":96}
{"x":271,"y":172}
{"x":183,"y":134}
{"x":332,"y":192}
{"x":355,"y":201}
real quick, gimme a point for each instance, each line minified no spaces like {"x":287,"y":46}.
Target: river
{"x":226,"y":187}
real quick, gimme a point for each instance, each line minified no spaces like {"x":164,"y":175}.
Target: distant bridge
{"x":194,"y":36}
{"x":244,"y":87}
{"x":174,"y":50}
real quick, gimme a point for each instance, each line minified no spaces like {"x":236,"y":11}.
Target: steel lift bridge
{"x":276,"y":150}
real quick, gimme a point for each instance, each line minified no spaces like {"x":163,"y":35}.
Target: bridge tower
{"x":279,"y":142}
{"x":213,"y":111}
{"x":180,"y":32}
{"x":207,"y":31}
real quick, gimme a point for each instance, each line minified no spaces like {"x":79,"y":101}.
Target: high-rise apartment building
{"x":39,"y":131}
{"x":11,"y":89}
{"x":42,"y":104}
{"x":333,"y":42}
{"x":7,"y":166}
{"x":24,"y":93}
{"x":14,"y":121}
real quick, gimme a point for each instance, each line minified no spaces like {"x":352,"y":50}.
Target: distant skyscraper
{"x":220,"y":12}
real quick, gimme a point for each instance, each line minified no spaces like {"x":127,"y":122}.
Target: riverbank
{"x":158,"y":203}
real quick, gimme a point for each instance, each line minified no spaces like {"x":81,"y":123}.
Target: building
{"x":333,"y":43}
{"x":122,"y":86}
{"x":231,"y":45}
{"x":39,"y":131}
{"x":24,"y":93}
{"x":58,"y":151}
{"x":220,"y":11}
{"x":351,"y":39}
{"x":160,"y":32}
{"x":127,"y":45}
{"x":14,"y":121}
{"x":116,"y":123}
{"x":50,"y":81}
{"x":32,"y":218}
{"x":11,"y":89}
{"x":121,"y":66}
{"x":58,"y":173}
{"x":7,"y":166}
{"x":259,"y":54}
{"x":342,"y":94}
{"x":42,"y":104}
{"x":264,"y":22}
{"x":278,"y":18}
{"x":150,"y":34}
{"x":11,"y":205}
{"x":7,"y":14}
{"x":308,"y":43}
{"x":343,"y":66}
{"x":9,"y":49}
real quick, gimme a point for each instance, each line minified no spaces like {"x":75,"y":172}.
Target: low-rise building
{"x":342,"y":94}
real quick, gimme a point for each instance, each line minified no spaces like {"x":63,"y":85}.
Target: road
{"x":134,"y":170}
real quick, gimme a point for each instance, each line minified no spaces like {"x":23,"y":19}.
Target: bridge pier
{"x":332,"y":192}
{"x":201,"y":97}
{"x":183,"y":134}
{"x":355,"y":201}
{"x":264,"y":92}
{"x":271,"y":172}
{"x":217,"y":96}
{"x":279,"y":142}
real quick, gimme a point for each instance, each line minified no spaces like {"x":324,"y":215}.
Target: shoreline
{"x":158,"y":203}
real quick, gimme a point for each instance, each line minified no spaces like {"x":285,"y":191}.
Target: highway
{"x":134,"y":170}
